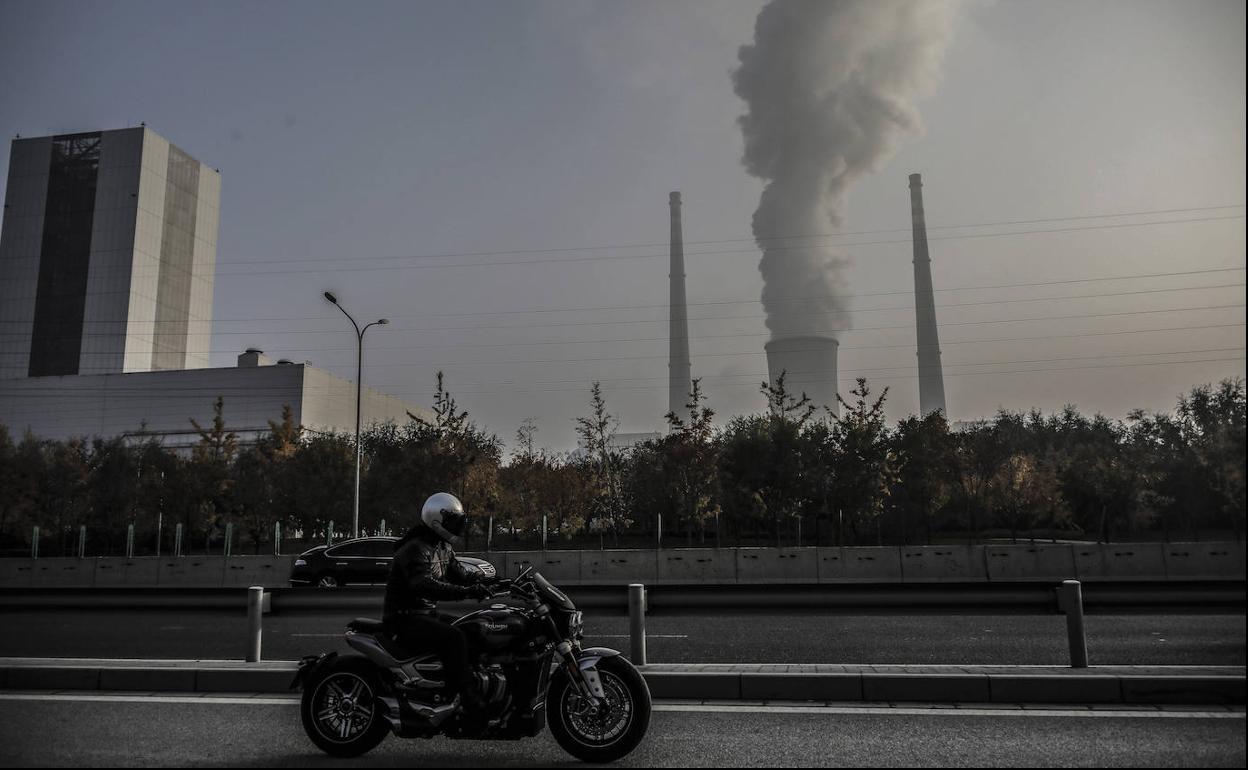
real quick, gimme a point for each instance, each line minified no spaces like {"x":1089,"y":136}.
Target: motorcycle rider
{"x":423,"y":572}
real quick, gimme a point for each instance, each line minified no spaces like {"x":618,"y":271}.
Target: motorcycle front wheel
{"x":612,"y":730}
{"x":341,"y":710}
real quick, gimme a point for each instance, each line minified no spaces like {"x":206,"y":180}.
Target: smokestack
{"x":678,"y":364}
{"x":931,"y":377}
{"x":808,"y":365}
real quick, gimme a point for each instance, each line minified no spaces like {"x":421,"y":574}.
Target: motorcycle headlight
{"x":301,"y":562}
{"x":576,"y":625}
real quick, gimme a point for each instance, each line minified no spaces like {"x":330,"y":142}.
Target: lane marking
{"x":593,"y":636}
{"x":206,"y":699}
{"x":626,"y":636}
{"x":942,"y":711}
{"x":691,"y":708}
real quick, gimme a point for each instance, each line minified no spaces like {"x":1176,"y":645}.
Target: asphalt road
{"x":729,"y":638}
{"x":265,"y":732}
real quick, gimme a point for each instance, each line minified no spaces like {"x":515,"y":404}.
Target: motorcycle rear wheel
{"x":612,"y":732}
{"x":341,"y":710}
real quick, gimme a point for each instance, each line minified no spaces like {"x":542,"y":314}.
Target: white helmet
{"x":444,"y":514}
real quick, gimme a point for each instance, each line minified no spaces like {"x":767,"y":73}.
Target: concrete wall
{"x":702,"y":566}
{"x":943,"y":564}
{"x":165,"y":402}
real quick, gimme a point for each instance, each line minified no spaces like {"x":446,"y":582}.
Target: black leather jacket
{"x":424,"y":570}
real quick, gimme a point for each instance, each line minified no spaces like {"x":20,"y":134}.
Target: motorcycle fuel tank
{"x":494,"y":628}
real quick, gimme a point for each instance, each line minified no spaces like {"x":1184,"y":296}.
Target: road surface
{"x":167,"y":731}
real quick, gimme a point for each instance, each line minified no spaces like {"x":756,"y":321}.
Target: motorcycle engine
{"x":492,"y":685}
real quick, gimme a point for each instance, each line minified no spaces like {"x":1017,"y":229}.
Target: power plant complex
{"x":809,"y":362}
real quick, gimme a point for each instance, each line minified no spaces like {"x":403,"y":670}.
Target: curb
{"x":1099,"y":685}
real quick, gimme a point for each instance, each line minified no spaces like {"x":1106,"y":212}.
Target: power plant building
{"x":107,"y":255}
{"x":107,"y":259}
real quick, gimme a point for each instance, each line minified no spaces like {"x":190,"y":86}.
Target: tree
{"x":925,"y":458}
{"x":763,"y":460}
{"x":689,"y":463}
{"x":1027,"y":494}
{"x":978,"y":457}
{"x":211,"y":468}
{"x":21,"y":468}
{"x":64,"y":490}
{"x":865,"y":466}
{"x":449,"y":453}
{"x":521,"y":479}
{"x":607,"y":509}
{"x":1196,"y":457}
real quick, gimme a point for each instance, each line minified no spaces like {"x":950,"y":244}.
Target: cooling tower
{"x":809,"y":365}
{"x":931,"y":376}
{"x":678,"y":365}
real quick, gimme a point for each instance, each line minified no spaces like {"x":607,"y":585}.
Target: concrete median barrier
{"x":110,"y":573}
{"x":267,"y":571}
{"x":1204,"y":561}
{"x":943,"y":564}
{"x":776,"y":565}
{"x":559,"y":567}
{"x":1120,"y":561}
{"x":192,"y":572}
{"x":141,"y":573}
{"x":830,"y":564}
{"x":16,"y":573}
{"x":616,"y":567}
{"x":62,"y":573}
{"x":697,"y":566}
{"x":871,"y":565}
{"x":1030,"y":562}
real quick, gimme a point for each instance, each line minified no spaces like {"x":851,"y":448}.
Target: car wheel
{"x":327,"y":581}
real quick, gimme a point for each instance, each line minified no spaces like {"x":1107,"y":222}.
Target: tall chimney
{"x":808,"y":365}
{"x":931,"y":377}
{"x":678,"y":364}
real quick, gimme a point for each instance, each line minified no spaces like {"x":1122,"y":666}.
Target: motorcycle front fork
{"x":585,"y":680}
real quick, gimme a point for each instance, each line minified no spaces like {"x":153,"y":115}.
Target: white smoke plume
{"x":830,"y":87}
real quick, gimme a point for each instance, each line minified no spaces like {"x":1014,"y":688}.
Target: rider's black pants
{"x":434,"y":632}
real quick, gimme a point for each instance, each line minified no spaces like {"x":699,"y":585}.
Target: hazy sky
{"x":357,"y":142}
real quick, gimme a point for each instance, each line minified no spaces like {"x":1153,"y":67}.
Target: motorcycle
{"x":527,"y":660}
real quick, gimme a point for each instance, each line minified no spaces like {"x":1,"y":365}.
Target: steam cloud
{"x":829,"y":86}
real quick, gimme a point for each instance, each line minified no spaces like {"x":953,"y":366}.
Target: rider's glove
{"x":478,"y":592}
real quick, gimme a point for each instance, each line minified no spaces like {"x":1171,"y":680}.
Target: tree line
{"x":794,"y":474}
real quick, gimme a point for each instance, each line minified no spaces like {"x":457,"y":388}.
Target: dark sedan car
{"x":360,"y":561}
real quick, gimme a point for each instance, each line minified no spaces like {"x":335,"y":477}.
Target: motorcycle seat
{"x":377,"y":629}
{"x":367,"y":625}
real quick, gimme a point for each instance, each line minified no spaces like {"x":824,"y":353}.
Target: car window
{"x":351,"y":549}
{"x":383,"y":549}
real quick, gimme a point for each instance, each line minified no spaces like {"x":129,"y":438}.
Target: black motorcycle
{"x":526,"y":657}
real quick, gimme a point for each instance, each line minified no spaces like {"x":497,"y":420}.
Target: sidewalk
{"x":750,"y":682}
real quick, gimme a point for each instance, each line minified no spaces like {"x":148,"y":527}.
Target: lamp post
{"x":359,"y":374}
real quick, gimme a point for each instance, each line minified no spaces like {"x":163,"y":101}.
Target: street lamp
{"x":359,"y":375}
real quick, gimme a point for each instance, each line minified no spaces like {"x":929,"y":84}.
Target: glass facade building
{"x":107,"y":255}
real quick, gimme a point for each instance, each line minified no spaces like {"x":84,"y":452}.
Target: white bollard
{"x":637,"y":622}
{"x":255,"y":608}
{"x":1070,"y":601}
